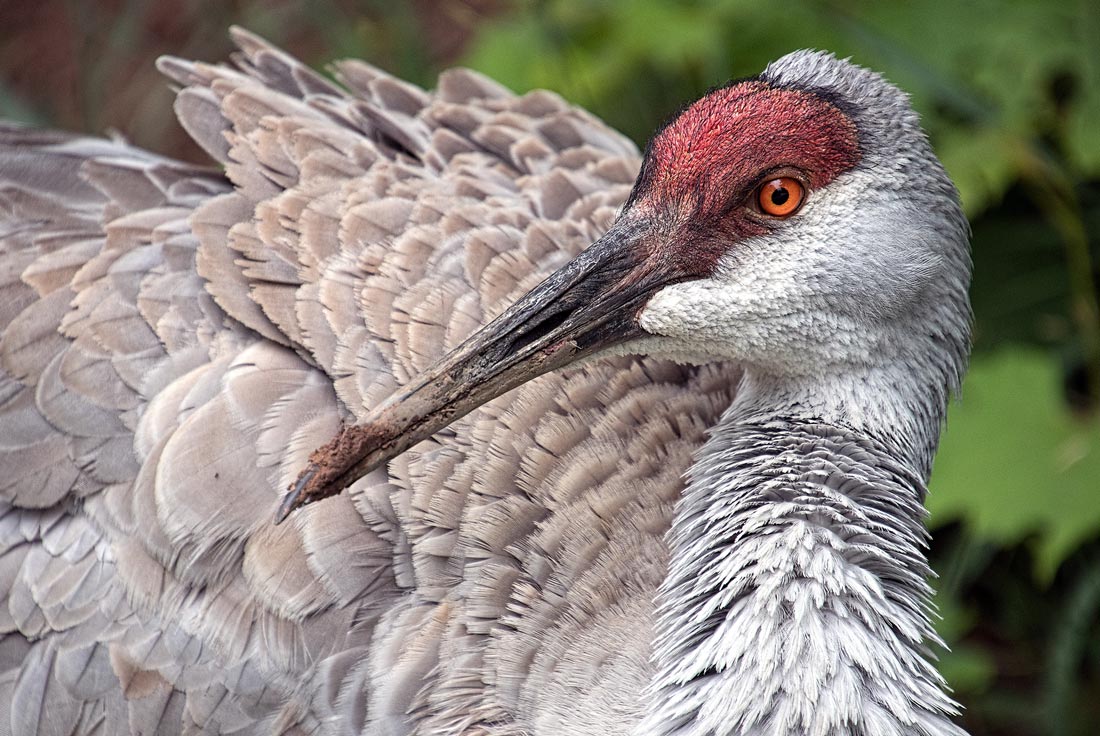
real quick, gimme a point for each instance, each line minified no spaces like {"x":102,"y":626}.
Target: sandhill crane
{"x":178,"y":341}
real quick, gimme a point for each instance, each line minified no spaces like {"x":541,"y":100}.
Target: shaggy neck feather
{"x":796,"y":600}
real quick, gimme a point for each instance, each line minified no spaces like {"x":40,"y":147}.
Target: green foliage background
{"x":1009,"y":92}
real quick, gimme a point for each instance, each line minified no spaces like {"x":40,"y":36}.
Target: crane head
{"x":796,"y":223}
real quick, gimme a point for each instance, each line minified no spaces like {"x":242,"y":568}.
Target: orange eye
{"x":780,"y":197}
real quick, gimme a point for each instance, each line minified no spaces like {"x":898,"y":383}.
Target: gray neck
{"x":796,"y":599}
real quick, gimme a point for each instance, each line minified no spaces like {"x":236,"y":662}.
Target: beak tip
{"x":295,"y":496}
{"x":351,"y":454}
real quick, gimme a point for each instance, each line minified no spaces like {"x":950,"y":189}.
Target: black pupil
{"x":780,"y":195}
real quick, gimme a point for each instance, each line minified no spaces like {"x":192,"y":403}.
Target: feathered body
{"x":177,"y":340}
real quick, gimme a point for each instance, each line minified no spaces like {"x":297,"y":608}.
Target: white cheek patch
{"x":735,"y":319}
{"x":661,"y":314}
{"x":689,"y":310}
{"x":765,"y":312}
{"x":740,"y":298}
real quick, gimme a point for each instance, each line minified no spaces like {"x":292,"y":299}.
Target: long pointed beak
{"x":590,"y":304}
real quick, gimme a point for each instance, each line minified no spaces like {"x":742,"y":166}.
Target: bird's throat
{"x":796,"y":599}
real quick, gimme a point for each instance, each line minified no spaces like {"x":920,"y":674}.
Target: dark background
{"x":1010,"y":95}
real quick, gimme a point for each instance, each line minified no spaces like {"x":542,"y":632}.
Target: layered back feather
{"x":176,"y":340}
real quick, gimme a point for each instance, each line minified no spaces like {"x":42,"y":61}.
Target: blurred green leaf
{"x":967,"y":668}
{"x":1014,"y":462}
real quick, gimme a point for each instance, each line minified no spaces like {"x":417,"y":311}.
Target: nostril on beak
{"x":547,"y":324}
